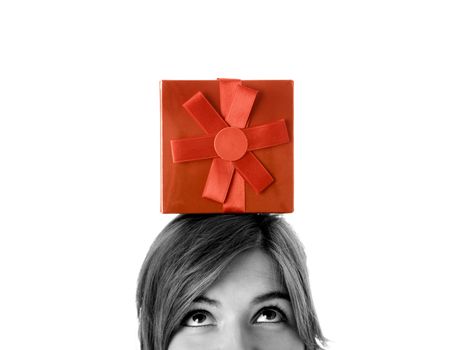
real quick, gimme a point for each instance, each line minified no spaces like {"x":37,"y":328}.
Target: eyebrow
{"x":205,"y":300}
{"x":257,"y":300}
{"x":271,"y":295}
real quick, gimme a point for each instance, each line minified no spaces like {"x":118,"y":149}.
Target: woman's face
{"x":247,"y":308}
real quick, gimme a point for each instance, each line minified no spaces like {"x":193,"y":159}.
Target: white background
{"x":383,"y":158}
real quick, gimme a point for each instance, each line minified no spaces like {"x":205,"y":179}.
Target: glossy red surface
{"x":183,"y":183}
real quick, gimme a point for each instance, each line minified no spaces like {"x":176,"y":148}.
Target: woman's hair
{"x":190,"y":253}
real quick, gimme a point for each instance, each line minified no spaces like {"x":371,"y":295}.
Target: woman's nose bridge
{"x":237,"y":337}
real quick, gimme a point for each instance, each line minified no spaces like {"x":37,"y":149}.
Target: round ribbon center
{"x":230,"y":143}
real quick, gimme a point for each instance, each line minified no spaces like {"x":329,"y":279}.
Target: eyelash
{"x":193,"y":312}
{"x":273,"y":308}
{"x":258,"y":313}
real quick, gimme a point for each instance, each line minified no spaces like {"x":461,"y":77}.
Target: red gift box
{"x":226,"y":146}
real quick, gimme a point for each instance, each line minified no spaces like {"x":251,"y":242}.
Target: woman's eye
{"x":199,"y":318}
{"x":270,"y":315}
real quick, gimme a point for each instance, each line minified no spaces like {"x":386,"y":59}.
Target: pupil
{"x":269,"y":314}
{"x":199,"y":318}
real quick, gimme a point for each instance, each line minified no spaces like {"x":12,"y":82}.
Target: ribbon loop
{"x":254,"y":172}
{"x":267,"y":135}
{"x":205,"y":115}
{"x":227,"y":90}
{"x":187,"y":150}
{"x":241,"y":106}
{"x":218,"y":180}
{"x":235,"y":202}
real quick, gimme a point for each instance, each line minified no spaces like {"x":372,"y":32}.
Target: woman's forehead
{"x":250,"y":274}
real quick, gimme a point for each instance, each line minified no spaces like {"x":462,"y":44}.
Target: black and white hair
{"x":191,"y":252}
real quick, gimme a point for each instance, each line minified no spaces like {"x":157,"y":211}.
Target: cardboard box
{"x":226,"y":146}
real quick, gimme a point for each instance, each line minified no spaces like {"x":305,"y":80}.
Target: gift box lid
{"x":226,"y":146}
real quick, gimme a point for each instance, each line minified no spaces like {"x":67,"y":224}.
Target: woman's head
{"x":222,"y":279}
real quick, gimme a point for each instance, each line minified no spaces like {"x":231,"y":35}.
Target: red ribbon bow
{"x":230,"y":144}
